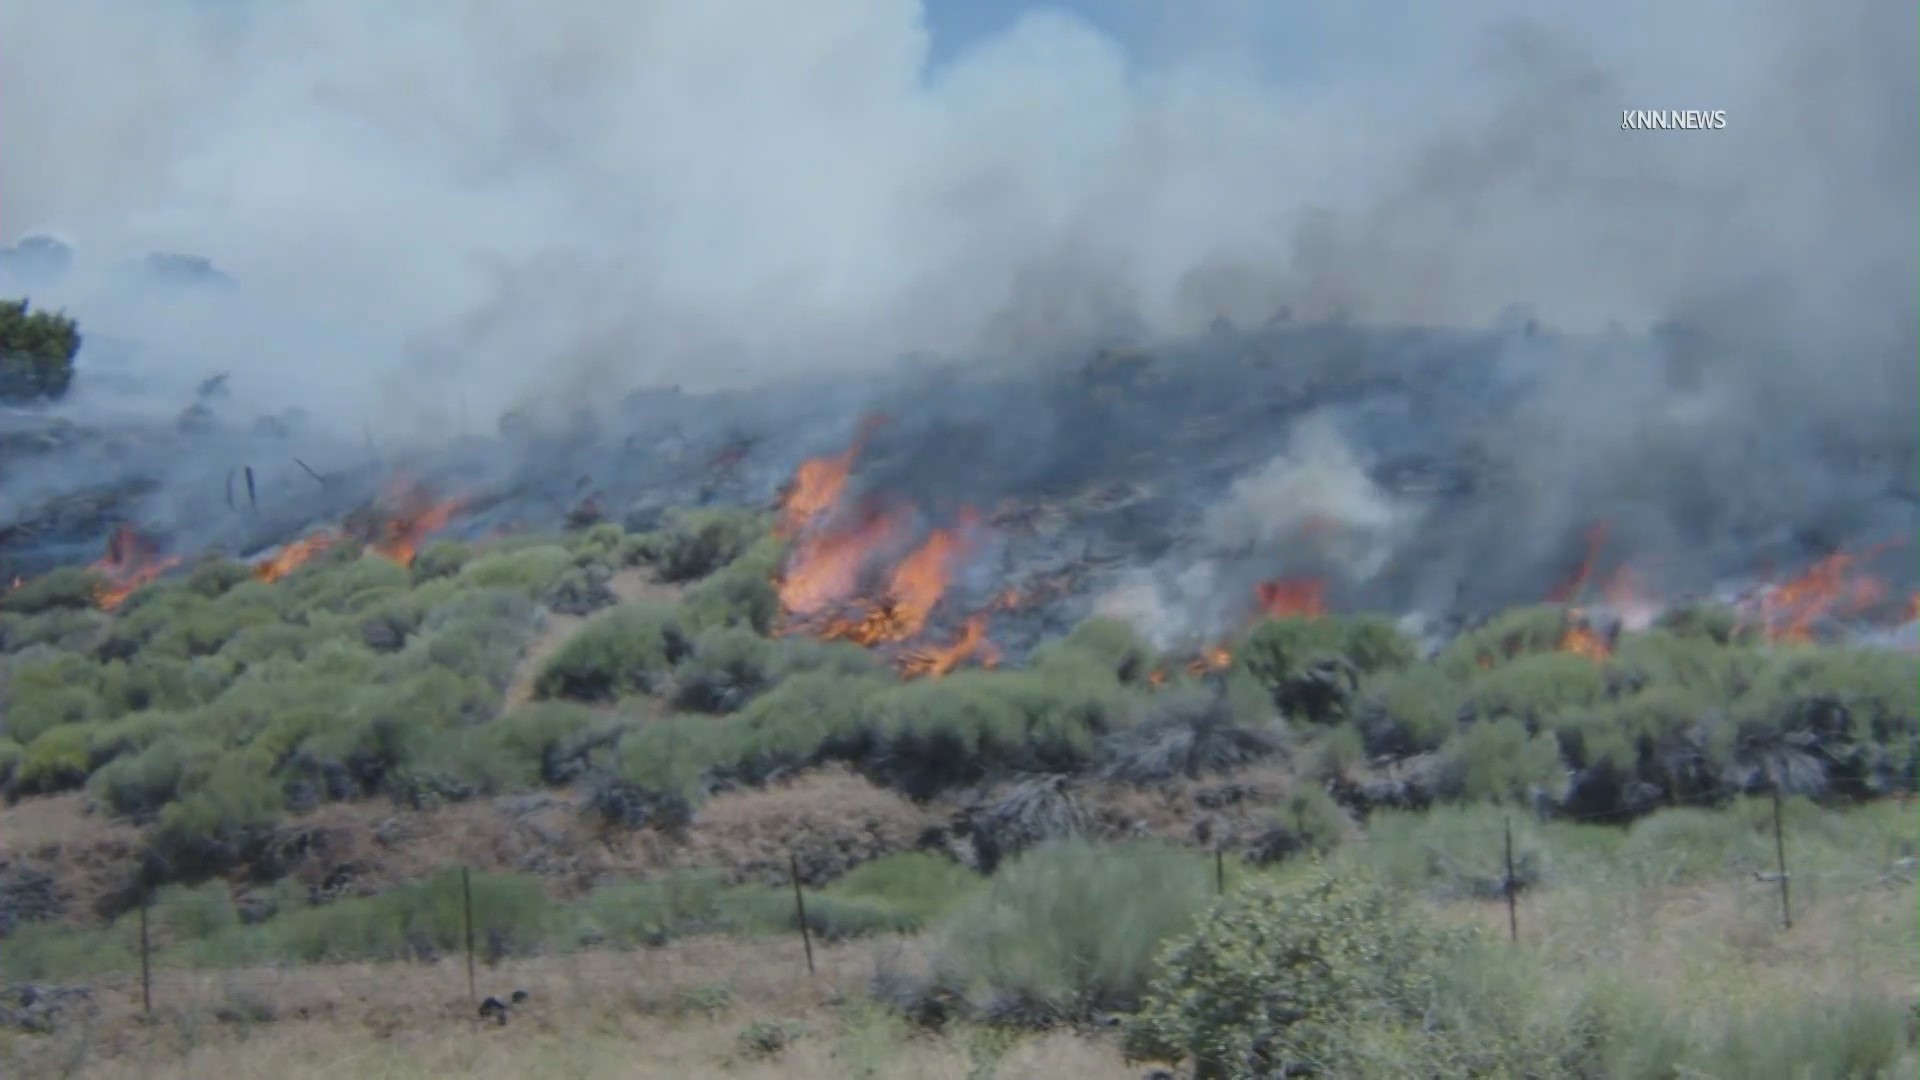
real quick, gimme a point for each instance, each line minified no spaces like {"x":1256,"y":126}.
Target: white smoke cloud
{"x":516,"y":200}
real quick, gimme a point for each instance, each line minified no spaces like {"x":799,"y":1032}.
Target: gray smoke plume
{"x":429,"y":215}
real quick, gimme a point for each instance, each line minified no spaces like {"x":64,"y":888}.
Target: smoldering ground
{"x":433,"y":217}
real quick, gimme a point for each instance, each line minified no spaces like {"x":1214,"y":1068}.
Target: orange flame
{"x":818,"y":483}
{"x":1292,"y":597}
{"x":1217,"y":658}
{"x":1571,"y":588}
{"x":826,"y":567}
{"x":1831,"y":587}
{"x":934,"y":662}
{"x":1581,"y":639}
{"x":293,"y":556}
{"x":1912,"y":613}
{"x":131,"y":562}
{"x":1157,"y":677}
{"x":418,"y":517}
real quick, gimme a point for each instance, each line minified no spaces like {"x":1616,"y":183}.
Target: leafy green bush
{"x":1279,"y":974}
{"x":727,"y":669}
{"x":739,"y":594}
{"x":1520,"y":632}
{"x":530,"y":571}
{"x":1070,"y":928}
{"x":1497,"y":760}
{"x":1307,"y":820}
{"x":1312,"y":667}
{"x":67,"y":587}
{"x":139,"y":784}
{"x":628,"y":650}
{"x":1113,"y":645}
{"x":56,"y":760}
{"x":695,"y":543}
{"x":440,"y":559}
{"x":918,"y":887}
{"x":807,"y":719}
{"x":66,"y":629}
{"x":220,"y":824}
{"x":36,"y":353}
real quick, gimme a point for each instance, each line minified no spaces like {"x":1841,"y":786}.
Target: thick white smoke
{"x":490,"y":200}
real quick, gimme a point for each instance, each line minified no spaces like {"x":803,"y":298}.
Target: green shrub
{"x":1312,"y":667}
{"x":1110,"y":643}
{"x":727,"y":669}
{"x":807,"y":719}
{"x":936,"y":734}
{"x":1520,"y":632}
{"x":67,"y":629}
{"x":739,"y":594}
{"x":56,"y":760}
{"x":36,"y":353}
{"x":530,"y":571}
{"x":628,"y":650}
{"x":1279,"y":974}
{"x":440,"y":559}
{"x":1497,"y":760}
{"x":1307,"y":820}
{"x":1410,"y":711}
{"x":212,"y":576}
{"x":536,"y":734}
{"x":1070,"y":928}
{"x":798,"y":655}
{"x":512,"y":914}
{"x":139,"y":784}
{"x":605,"y":543}
{"x":37,"y":703}
{"x":11,"y":754}
{"x":220,"y":824}
{"x":919,"y":888}
{"x":695,"y":543}
{"x":67,"y":587}
{"x":337,"y":583}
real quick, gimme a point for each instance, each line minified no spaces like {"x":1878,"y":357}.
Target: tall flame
{"x":1292,"y":597}
{"x":826,"y":568}
{"x":818,"y":483}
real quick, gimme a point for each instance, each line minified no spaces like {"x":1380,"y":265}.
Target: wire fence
{"x":480,"y":981}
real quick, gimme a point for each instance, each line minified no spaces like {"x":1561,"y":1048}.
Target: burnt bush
{"x":628,"y":650}
{"x":1186,"y":732}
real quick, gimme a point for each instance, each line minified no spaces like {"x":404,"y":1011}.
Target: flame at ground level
{"x":131,"y":562}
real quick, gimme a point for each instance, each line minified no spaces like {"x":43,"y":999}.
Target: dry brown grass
{"x":677,"y":1011}
{"x":681,"y":1010}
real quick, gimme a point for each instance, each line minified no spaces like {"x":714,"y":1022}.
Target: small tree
{"x":1279,"y":977}
{"x":36,"y":353}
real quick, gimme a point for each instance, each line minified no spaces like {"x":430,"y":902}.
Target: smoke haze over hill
{"x":434,"y":215}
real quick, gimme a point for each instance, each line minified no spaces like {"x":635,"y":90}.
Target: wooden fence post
{"x":1512,"y":889}
{"x":800,"y":910}
{"x":466,"y":907}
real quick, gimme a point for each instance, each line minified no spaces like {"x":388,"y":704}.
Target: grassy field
{"x":1657,"y":942}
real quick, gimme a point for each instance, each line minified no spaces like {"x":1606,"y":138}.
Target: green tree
{"x":36,"y":353}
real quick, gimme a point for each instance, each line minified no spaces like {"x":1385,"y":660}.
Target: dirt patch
{"x":59,"y":861}
{"x":831,"y":820}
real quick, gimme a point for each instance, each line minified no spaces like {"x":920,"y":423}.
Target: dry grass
{"x":683,"y":1010}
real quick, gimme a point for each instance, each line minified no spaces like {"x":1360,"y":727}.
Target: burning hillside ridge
{"x":1292,"y":470}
